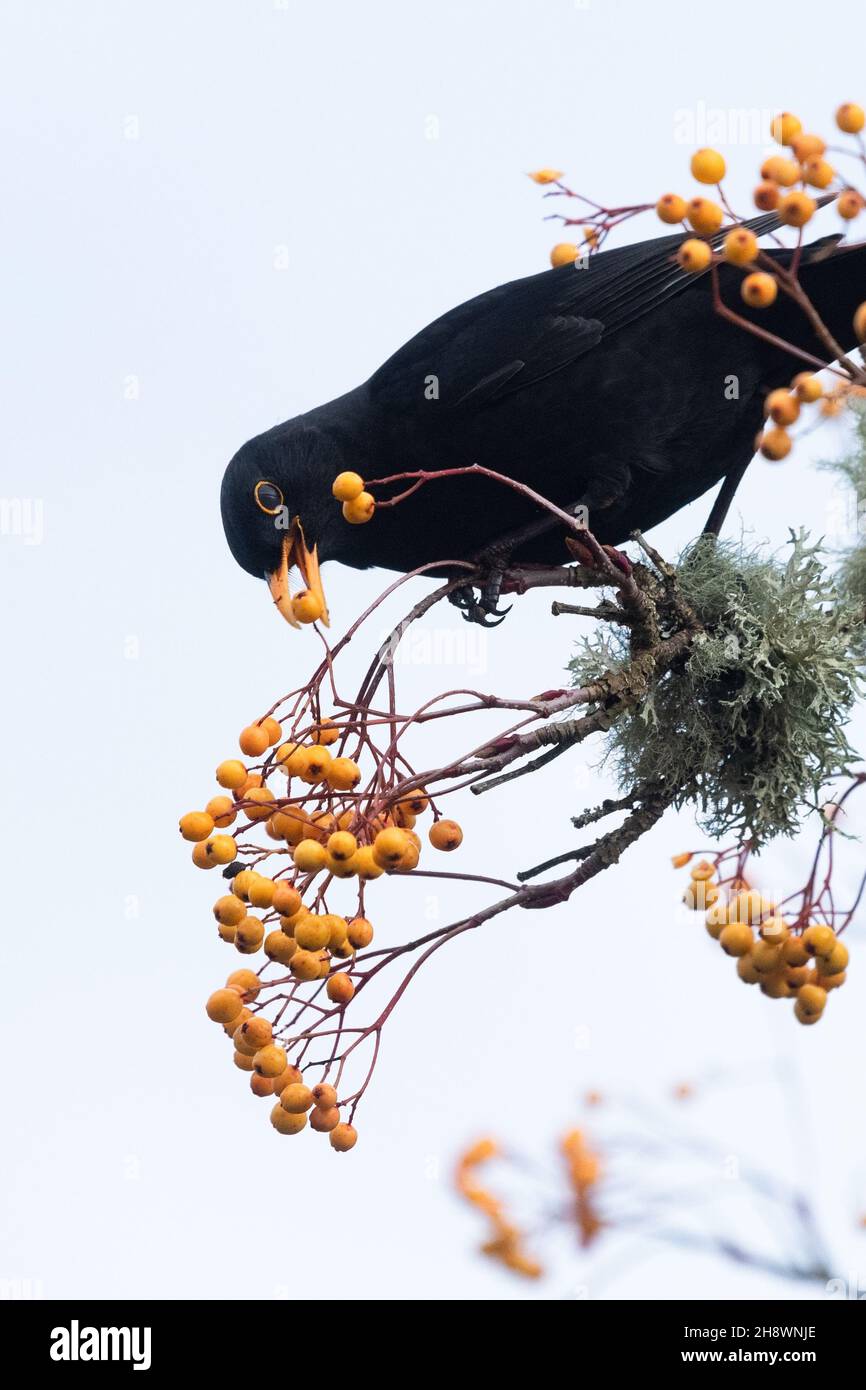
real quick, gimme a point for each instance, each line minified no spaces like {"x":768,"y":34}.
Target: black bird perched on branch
{"x":618,"y":387}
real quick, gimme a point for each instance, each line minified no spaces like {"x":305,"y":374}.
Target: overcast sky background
{"x":219,"y":215}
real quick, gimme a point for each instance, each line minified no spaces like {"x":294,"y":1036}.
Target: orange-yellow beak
{"x":308,"y":605}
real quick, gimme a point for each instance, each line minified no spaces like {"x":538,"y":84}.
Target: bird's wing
{"x":507,"y":339}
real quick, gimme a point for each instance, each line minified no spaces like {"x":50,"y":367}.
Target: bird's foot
{"x":483,"y":610}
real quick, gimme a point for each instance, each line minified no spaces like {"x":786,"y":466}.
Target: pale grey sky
{"x":217,"y":215}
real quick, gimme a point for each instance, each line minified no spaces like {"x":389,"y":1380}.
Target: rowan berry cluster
{"x":796,"y":959}
{"x":792,"y":185}
{"x":321,"y":827}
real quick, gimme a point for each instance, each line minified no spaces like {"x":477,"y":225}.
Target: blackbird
{"x":617,"y":387}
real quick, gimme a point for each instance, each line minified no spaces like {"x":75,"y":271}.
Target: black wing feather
{"x":512,"y":336}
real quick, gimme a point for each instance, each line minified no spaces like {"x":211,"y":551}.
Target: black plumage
{"x":609,"y":386}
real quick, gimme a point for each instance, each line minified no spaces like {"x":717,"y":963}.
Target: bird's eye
{"x":268,"y":497}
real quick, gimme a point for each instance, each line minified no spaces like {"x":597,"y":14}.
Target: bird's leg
{"x":722,"y":504}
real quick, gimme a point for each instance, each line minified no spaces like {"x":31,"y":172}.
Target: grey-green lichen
{"x":751,"y":725}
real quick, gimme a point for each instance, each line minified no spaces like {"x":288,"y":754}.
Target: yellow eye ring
{"x":268,"y":497}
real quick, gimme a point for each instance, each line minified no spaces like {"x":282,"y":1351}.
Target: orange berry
{"x":780,"y":170}
{"x":285,"y":1122}
{"x":261,"y":891}
{"x":860,"y":323}
{"x":280,"y":947}
{"x":326,"y":733}
{"x":759,"y":289}
{"x":222,"y":811}
{"x":694,"y":255}
{"x":258,"y":803}
{"x":249,"y":935}
{"x":347,"y":486}
{"x":740,"y":246}
{"x":324,"y":1120}
{"x":850,"y":118}
{"x":818,"y":940}
{"x":312,"y":933}
{"x":364,"y":864}
{"x":270,"y":1060}
{"x":389,"y":847}
{"x":818,"y":173}
{"x":707,"y":166}
{"x":766,"y":196}
{"x":310,"y":856}
{"x":766,"y":957}
{"x":775,"y":445}
{"x":296,"y":1098}
{"x":849,"y":204}
{"x":307,"y":607}
{"x":240,"y":884}
{"x":736,"y":938}
{"x":835,"y":962}
{"x":261,"y":1085}
{"x":231,"y":774}
{"x":229,"y":910}
{"x":272,"y":728}
{"x":223,"y":1005}
{"x":201,"y":856}
{"x":774,"y":929}
{"x":807,"y":387}
{"x":700,"y":895}
{"x":679,"y":861}
{"x":803,"y":1015}
{"x":304,"y":966}
{"x":343,"y":1137}
{"x":544,"y":176}
{"x":807,"y":146}
{"x":342,"y":774}
{"x":360,"y":509}
{"x":746,"y":969}
{"x":564,"y":253}
{"x":290,"y":1077}
{"x":324,"y":1096}
{"x":247,"y":982}
{"x":360,"y":933}
{"x":705,"y":216}
{"x":445,"y":835}
{"x":749,"y":906}
{"x":286,"y":899}
{"x":286,"y":758}
{"x":242,"y":1060}
{"x":775,"y":985}
{"x":785,"y":127}
{"x":794,"y":953}
{"x":291,"y":822}
{"x":797,"y":208}
{"x":255,"y":1032}
{"x":811,"y":998}
{"x":782,"y":407}
{"x":339,"y":988}
{"x":415,"y":801}
{"x":196,"y":825}
{"x":313,"y":764}
{"x":342,"y":845}
{"x":671,"y":208}
{"x":253,"y":740}
{"x":226,"y":932}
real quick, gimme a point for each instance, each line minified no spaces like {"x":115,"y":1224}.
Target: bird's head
{"x":278,"y":511}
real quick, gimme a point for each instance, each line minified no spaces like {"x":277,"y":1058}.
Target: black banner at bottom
{"x":154,"y":1339}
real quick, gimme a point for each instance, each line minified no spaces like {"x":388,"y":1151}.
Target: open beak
{"x":295,"y":553}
